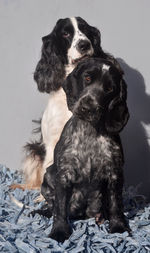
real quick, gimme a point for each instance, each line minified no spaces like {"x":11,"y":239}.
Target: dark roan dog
{"x":86,"y":177}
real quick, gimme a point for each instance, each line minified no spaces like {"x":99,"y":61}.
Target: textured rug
{"x":20,"y":233}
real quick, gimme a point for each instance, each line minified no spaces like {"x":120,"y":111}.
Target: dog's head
{"x":71,"y":40}
{"x":96,"y":92}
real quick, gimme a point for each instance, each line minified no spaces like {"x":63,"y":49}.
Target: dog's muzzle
{"x":88,"y":109}
{"x":83,"y":46}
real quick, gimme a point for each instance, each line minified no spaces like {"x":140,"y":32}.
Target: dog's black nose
{"x":83,"y":46}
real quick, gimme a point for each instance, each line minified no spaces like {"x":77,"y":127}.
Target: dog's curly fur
{"x":71,"y":40}
{"x":86,"y":177}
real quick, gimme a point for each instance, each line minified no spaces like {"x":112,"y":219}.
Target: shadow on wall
{"x":134,"y":137}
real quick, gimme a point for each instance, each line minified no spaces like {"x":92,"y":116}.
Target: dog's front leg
{"x":61,"y":229}
{"x":117,"y":219}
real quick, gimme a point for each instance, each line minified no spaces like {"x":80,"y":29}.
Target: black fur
{"x":36,"y":148}
{"x":87,"y":176}
{"x":51,"y":69}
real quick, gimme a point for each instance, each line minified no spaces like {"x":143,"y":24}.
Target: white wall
{"x":124,"y":26}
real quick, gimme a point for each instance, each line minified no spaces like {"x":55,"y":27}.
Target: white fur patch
{"x":69,"y":68}
{"x":73,"y":53}
{"x":54,"y":118}
{"x":32,"y":168}
{"x":105,"y":67}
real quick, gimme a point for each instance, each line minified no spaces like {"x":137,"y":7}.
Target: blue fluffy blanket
{"x":20,"y":233}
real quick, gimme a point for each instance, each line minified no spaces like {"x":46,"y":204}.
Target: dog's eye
{"x":110,"y":89}
{"x":66,"y":34}
{"x":87,"y":79}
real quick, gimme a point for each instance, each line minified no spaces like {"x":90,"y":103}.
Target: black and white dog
{"x":71,"y":40}
{"x":86,"y":177}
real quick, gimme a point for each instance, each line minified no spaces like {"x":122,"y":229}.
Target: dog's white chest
{"x":55,"y":116}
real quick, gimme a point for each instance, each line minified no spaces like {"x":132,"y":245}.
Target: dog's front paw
{"x":60,"y":233}
{"x":118,"y":226}
{"x":46,"y":212}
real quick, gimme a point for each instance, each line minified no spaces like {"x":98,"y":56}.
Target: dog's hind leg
{"x":32,"y":167}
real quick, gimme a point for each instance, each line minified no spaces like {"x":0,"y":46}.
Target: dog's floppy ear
{"x":49,"y":72}
{"x":96,"y":35}
{"x":70,"y":88}
{"x":96,"y":42}
{"x":117,"y":114}
{"x":110,"y":58}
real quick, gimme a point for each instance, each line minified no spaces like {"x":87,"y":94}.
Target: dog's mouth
{"x":77,"y":60}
